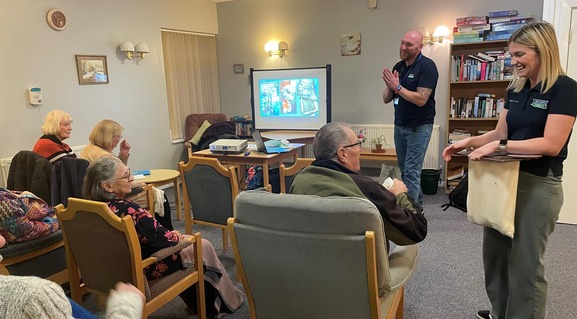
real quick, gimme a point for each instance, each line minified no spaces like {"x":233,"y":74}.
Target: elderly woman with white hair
{"x":56,"y":128}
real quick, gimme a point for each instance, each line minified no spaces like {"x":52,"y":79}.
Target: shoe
{"x":484,"y":314}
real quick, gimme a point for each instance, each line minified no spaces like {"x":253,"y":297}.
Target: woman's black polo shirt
{"x":527,"y":116}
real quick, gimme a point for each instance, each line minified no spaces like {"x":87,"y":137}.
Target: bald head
{"x":411,"y":46}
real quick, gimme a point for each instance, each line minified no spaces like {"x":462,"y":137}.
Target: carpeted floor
{"x":448,"y":281}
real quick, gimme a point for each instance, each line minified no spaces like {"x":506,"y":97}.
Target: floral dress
{"x":152,"y":236}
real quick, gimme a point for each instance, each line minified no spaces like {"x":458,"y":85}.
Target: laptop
{"x":262,"y":147}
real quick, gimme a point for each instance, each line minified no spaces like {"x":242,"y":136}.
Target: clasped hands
{"x":391,"y":79}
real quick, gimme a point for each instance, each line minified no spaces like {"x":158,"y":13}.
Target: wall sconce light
{"x":276,"y":48}
{"x":440,"y":33}
{"x":128,"y":48}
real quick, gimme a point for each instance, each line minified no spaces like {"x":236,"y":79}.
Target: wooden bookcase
{"x":470,"y":89}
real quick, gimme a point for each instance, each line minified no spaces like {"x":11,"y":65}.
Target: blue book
{"x":504,"y":13}
{"x":141,"y":172}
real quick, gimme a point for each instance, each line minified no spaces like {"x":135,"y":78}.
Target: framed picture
{"x":238,"y":68}
{"x":350,"y":44}
{"x":92,"y":69}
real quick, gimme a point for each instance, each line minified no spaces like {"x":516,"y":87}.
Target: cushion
{"x":196,"y":138}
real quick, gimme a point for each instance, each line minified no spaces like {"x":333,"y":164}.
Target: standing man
{"x":411,"y":86}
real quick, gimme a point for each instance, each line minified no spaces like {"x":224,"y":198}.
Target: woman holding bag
{"x":540,"y":110}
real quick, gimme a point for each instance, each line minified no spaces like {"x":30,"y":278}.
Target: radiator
{"x":432,"y":157}
{"x":5,"y":163}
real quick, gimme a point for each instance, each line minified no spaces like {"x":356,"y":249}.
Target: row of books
{"x":243,"y":128}
{"x":494,"y":65}
{"x":481,"y":106}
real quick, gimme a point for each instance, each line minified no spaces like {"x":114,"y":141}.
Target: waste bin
{"x":430,"y":181}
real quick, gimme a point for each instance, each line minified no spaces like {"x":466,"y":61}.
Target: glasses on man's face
{"x":125,"y":176}
{"x":357,"y":145}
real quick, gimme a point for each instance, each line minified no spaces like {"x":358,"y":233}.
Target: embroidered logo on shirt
{"x":540,"y":104}
{"x":411,"y":76}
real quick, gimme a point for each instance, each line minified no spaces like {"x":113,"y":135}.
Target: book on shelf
{"x":503,"y":36}
{"x":473,"y":27}
{"x":507,"y":68}
{"x":503,"y":13}
{"x":471,"y":20}
{"x":468,"y":40}
{"x":507,"y":27}
{"x":455,"y":173}
{"x":522,"y":16}
{"x":499,"y":19}
{"x":512,"y":22}
{"x":486,"y":57}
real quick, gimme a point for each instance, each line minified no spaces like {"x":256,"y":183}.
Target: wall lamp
{"x":439,"y":34}
{"x":276,"y":48}
{"x":128,"y":48}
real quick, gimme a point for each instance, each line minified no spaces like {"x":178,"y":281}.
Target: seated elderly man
{"x":334,"y":173}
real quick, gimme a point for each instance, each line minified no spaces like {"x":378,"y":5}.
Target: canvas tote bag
{"x":493,"y":194}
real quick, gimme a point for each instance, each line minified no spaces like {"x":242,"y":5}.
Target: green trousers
{"x":514,"y":270}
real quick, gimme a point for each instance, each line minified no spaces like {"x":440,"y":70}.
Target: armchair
{"x":209,"y":190}
{"x":104,"y":248}
{"x":194,"y":121}
{"x":316,"y":257}
{"x":42,"y":257}
{"x":287,"y":173}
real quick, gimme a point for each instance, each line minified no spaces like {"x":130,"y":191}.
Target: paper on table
{"x":139,"y":176}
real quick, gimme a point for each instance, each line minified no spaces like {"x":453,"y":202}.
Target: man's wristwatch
{"x":399,"y":87}
{"x":502,"y":146}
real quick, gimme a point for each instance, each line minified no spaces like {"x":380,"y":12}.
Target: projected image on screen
{"x":289,"y":97}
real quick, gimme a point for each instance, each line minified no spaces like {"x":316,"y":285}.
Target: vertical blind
{"x":191,"y":77}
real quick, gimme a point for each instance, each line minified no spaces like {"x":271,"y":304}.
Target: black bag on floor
{"x":458,"y":196}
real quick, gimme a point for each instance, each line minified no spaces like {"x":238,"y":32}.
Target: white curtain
{"x":191,"y":77}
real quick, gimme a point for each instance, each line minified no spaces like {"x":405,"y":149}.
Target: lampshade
{"x":127,"y":46}
{"x":141,"y":47}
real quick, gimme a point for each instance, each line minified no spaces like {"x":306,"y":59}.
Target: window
{"x":191,"y":72}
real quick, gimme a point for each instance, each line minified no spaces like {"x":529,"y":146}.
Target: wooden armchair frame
{"x":285,"y":172}
{"x":229,"y":173}
{"x":84,"y":247}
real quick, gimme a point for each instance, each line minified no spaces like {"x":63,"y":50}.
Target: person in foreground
{"x":33,"y":297}
{"x":540,"y":111}
{"x":411,"y":86}
{"x":56,"y":128}
{"x":104,"y":138}
{"x":109,"y":180}
{"x":334,"y":173}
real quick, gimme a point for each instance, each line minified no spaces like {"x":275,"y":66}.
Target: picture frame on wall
{"x":92,"y":69}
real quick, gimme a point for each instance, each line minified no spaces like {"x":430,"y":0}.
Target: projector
{"x":228,"y":146}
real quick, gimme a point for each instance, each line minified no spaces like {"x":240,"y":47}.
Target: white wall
{"x":313,"y":28}
{"x":32,"y":54}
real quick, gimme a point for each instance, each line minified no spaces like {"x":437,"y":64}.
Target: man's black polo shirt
{"x":422,"y":73}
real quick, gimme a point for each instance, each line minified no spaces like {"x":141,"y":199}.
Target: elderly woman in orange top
{"x":56,"y":128}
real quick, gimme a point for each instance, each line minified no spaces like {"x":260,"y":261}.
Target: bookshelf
{"x":243,"y":127}
{"x":466,"y":113}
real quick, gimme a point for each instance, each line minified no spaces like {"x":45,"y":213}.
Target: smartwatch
{"x":502,"y":146}
{"x":399,"y":87}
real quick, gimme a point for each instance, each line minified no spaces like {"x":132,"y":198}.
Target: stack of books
{"x":470,"y":29}
{"x":504,"y":23}
{"x":497,"y":25}
{"x":458,"y":135}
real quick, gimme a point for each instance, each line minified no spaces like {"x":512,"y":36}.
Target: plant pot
{"x":378,"y":148}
